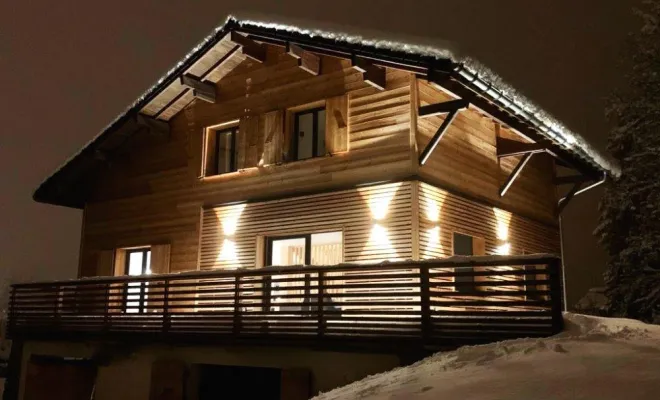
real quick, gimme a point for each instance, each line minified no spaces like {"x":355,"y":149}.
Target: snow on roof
{"x":550,"y":126}
{"x":594,"y":358}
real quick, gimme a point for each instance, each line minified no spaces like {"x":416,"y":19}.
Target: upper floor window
{"x":309,"y":134}
{"x":220,"y":150}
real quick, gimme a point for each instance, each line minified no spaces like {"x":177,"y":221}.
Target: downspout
{"x":561,"y":239}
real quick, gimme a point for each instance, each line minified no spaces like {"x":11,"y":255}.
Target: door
{"x":138,"y":263}
{"x":49,"y":378}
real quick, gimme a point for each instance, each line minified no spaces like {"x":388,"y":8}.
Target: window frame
{"x":315,"y":132}
{"x":217,"y":132}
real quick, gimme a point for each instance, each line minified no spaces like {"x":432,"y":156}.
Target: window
{"x":309,"y":134}
{"x":220,"y":151}
{"x":307,"y":249}
{"x":465,"y":245}
{"x":138,"y":262}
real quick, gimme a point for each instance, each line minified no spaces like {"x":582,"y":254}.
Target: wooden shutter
{"x":295,"y":384}
{"x":160,"y":259}
{"x":271,"y":126}
{"x":210,"y":156}
{"x":167,"y":380}
{"x":250,"y":142}
{"x":336,"y":124}
{"x":105,"y":263}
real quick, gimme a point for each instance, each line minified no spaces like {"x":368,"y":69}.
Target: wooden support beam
{"x":373,"y":75}
{"x":571,"y":193}
{"x":514,"y":174}
{"x":203,"y":90}
{"x":509,"y":148}
{"x":426,"y":153}
{"x":249,"y":47}
{"x":460,"y":89}
{"x":307,"y":61}
{"x":442,"y":108}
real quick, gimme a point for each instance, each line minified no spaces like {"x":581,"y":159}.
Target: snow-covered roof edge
{"x":549,"y":126}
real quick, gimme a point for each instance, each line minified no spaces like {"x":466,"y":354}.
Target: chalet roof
{"x":217,"y":54}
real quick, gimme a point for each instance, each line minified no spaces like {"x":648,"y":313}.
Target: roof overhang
{"x":221,"y":51}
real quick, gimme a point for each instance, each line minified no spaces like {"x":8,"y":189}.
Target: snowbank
{"x":594,"y":358}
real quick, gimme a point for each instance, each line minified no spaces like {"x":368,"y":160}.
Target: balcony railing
{"x":437,"y":303}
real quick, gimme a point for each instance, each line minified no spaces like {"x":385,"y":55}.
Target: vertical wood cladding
{"x":375,"y":222}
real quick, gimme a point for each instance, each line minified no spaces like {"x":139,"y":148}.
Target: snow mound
{"x":594,"y":358}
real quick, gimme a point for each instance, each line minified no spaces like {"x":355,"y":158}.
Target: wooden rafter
{"x":307,"y":61}
{"x":428,"y":150}
{"x":510,"y":148}
{"x":514,"y":174}
{"x":203,"y":90}
{"x":373,"y":75}
{"x":442,"y":108}
{"x":249,"y":47}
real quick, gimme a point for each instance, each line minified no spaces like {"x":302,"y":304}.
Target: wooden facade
{"x":157,"y":191}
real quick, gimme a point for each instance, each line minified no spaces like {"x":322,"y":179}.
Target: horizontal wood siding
{"x":466,"y":160}
{"x":375,"y":222}
{"x":153,"y":191}
{"x":442,"y":213}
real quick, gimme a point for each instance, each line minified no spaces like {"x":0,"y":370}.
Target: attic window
{"x":220,"y":154}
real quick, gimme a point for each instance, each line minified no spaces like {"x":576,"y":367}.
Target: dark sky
{"x":69,"y":67}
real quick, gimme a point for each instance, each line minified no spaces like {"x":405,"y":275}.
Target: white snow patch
{"x":594,"y":358}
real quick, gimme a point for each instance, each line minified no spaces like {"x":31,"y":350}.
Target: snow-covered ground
{"x":595,"y":358}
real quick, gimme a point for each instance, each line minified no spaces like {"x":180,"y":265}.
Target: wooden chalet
{"x":303,"y":209}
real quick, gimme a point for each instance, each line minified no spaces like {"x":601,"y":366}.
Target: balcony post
{"x":106,"y":309}
{"x":319,"y":304}
{"x":554,"y":273}
{"x":237,"y":305}
{"x":425,"y":302}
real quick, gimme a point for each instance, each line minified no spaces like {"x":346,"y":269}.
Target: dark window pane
{"x":225,"y":151}
{"x":463,"y":247}
{"x":305,"y":132}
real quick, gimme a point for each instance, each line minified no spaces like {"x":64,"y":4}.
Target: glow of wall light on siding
{"x":228,"y":252}
{"x":503,"y":219}
{"x":229,"y":220}
{"x":433,"y":243}
{"x":432,"y":210}
{"x":504,"y":249}
{"x":379,"y":203}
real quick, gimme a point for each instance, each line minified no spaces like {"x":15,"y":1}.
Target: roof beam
{"x":514,"y":174}
{"x":203,"y":90}
{"x":426,"y":153}
{"x":461,"y":89}
{"x":249,"y":47}
{"x":442,"y":108}
{"x":373,"y":75}
{"x":510,"y":148}
{"x":307,"y":61}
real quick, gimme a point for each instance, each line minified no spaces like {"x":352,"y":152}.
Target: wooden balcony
{"x":433,"y":304}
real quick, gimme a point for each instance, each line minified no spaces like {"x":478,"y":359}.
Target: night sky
{"x":67,"y":68}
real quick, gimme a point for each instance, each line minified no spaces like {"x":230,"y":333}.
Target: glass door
{"x":286,"y":292}
{"x":138,"y":263}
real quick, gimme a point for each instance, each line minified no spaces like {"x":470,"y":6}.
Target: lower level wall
{"x":127,"y":372}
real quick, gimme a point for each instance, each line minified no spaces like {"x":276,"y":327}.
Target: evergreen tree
{"x":629,"y":226}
